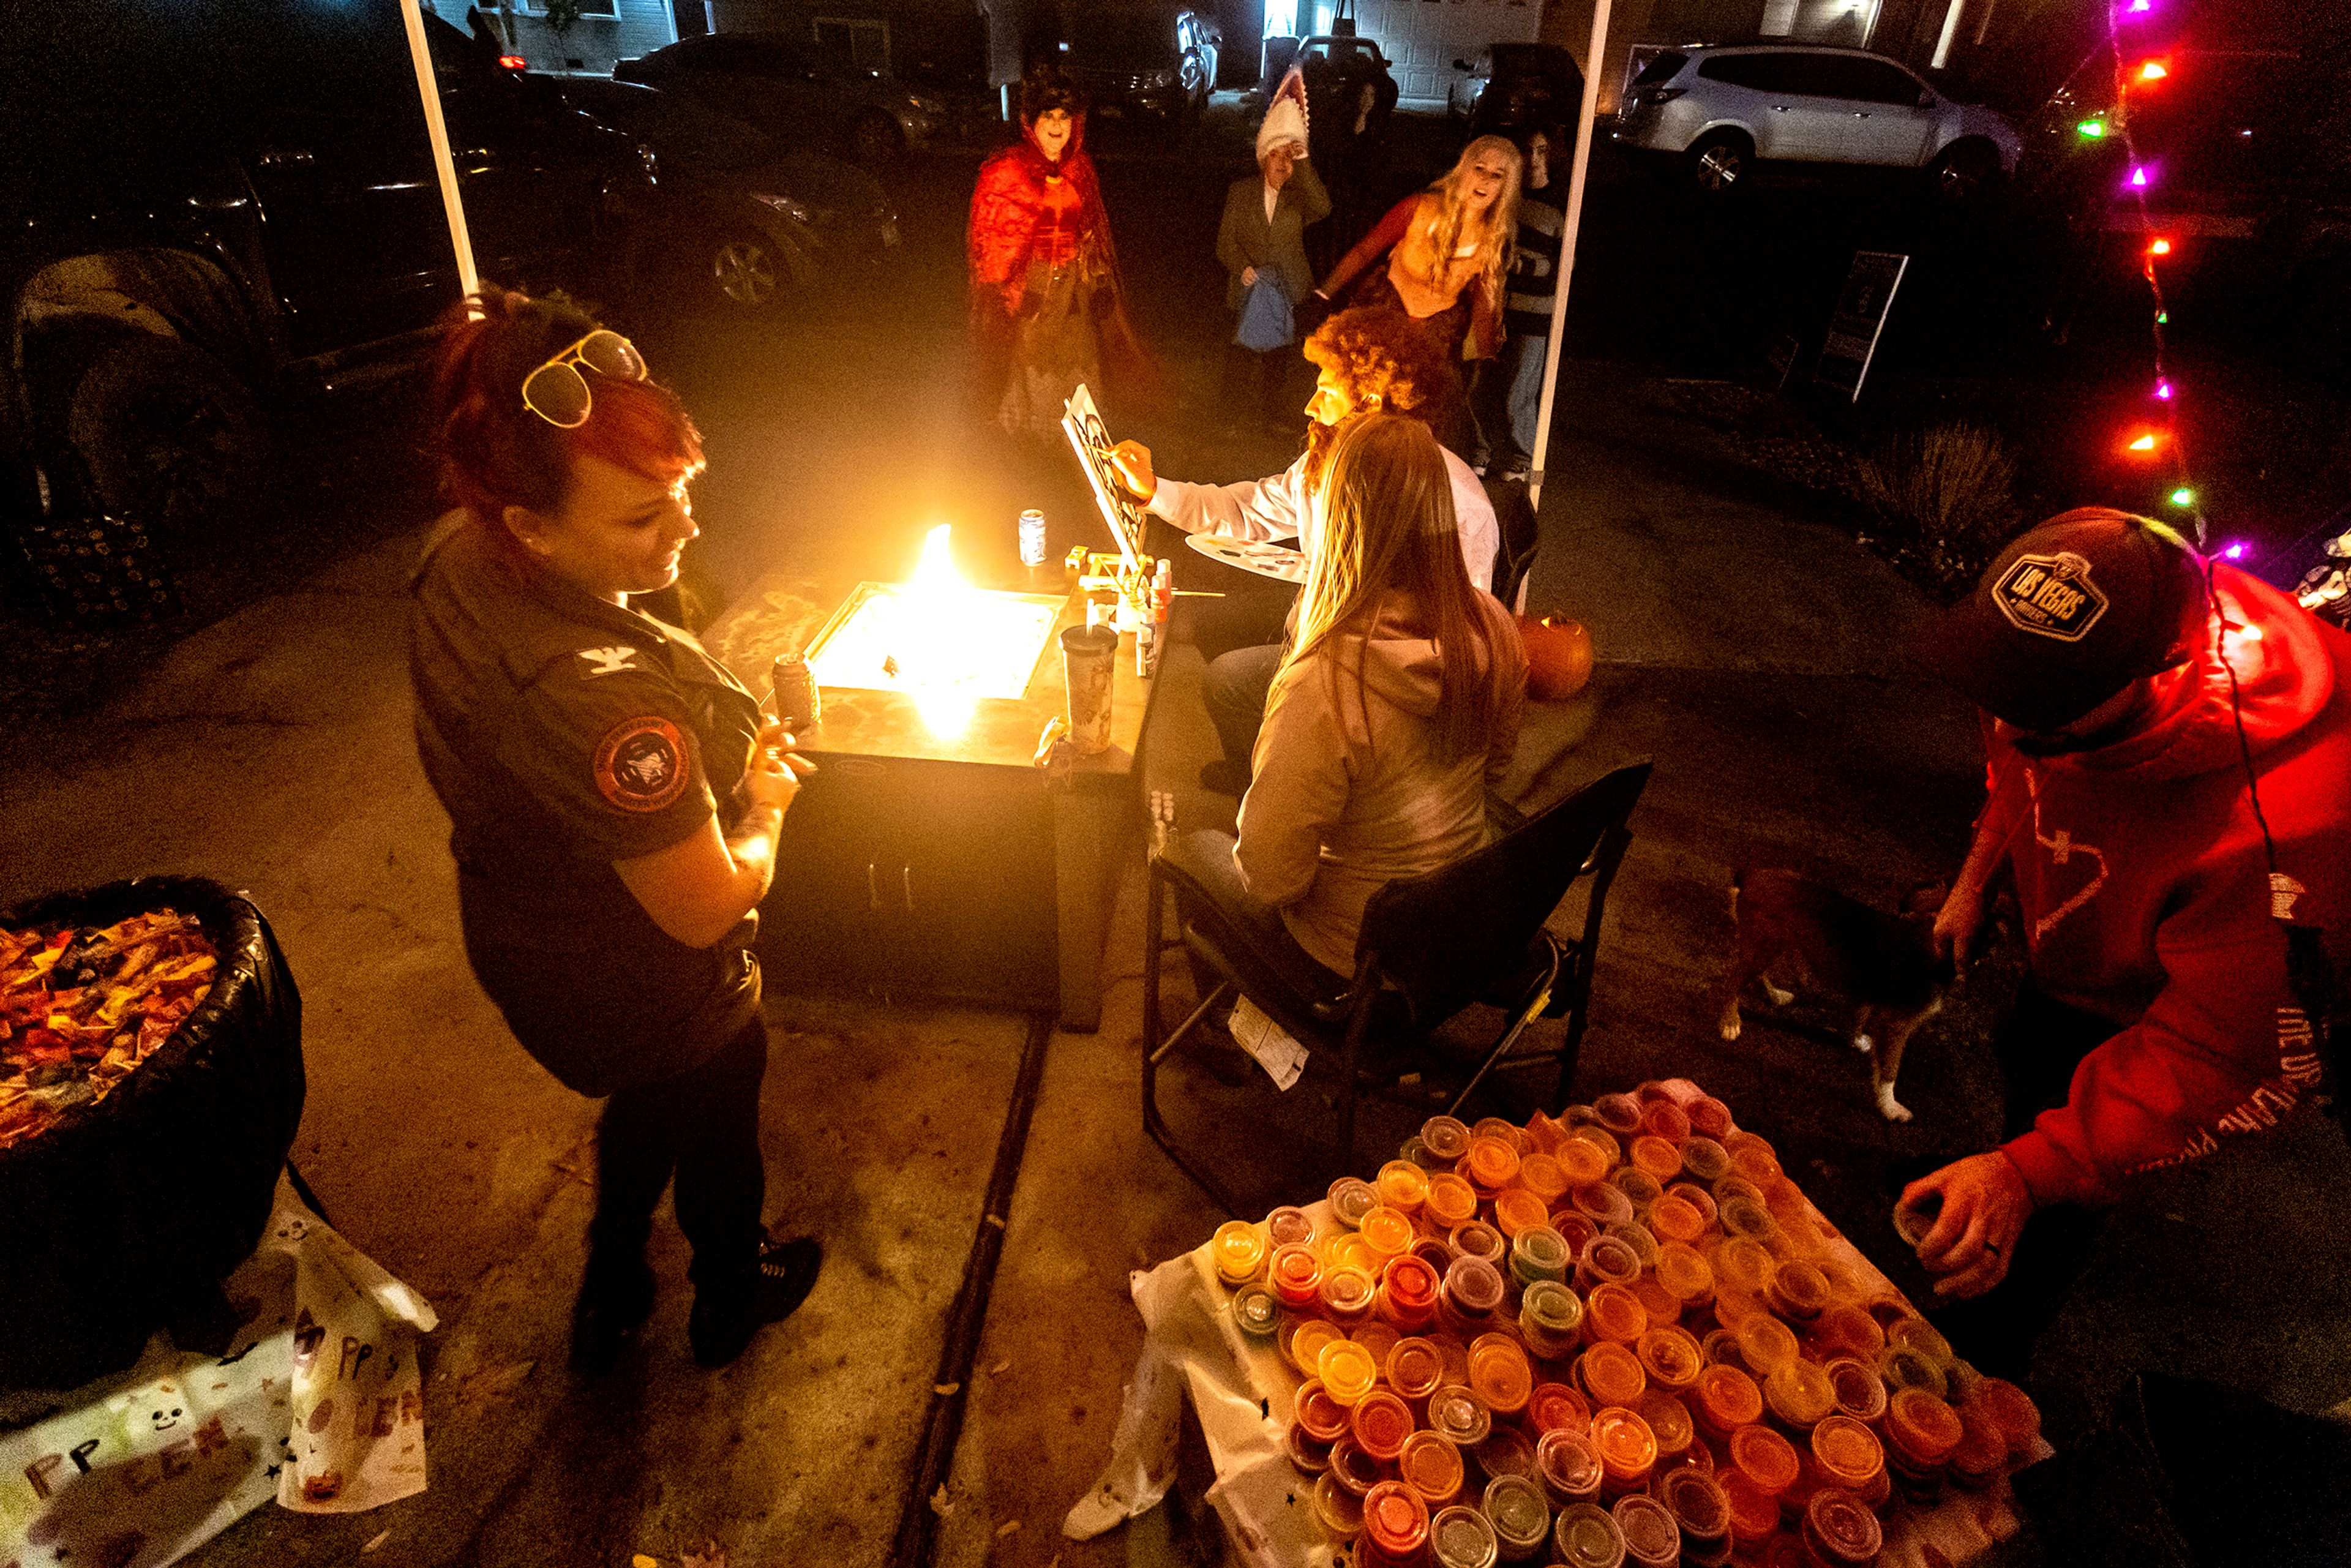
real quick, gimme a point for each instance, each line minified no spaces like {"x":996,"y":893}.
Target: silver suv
{"x":1721,"y":110}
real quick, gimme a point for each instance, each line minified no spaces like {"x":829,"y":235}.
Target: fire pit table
{"x":929,"y":854}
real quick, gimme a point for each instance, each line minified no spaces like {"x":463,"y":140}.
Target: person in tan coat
{"x":1396,"y":706}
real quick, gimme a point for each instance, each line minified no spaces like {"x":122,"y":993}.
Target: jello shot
{"x":1639,"y":1238}
{"x":1239,"y":1251}
{"x":1450,"y":1201}
{"x":1639,"y":1188}
{"x":1765,"y":1344}
{"x":1506,"y":1451}
{"x":1295,"y":1274}
{"x":1699,"y":1507}
{"x":1346,"y":1294}
{"x":1338,"y":1511}
{"x":1519,"y":1512}
{"x":1672,"y":1219}
{"x":1607,"y":1260}
{"x":1402,"y":1186}
{"x":1584,"y":1160}
{"x":1257,"y":1312}
{"x":1348,"y":1371}
{"x":1627,"y":1448}
{"x":1613,"y":1313}
{"x":1354,"y":1471}
{"x":1570,"y":1467}
{"x":1603,"y":1203}
{"x":1585,"y":1535}
{"x":1539,"y":1252}
{"x":1406,"y":1296}
{"x":1517,"y":1210}
{"x":1415,"y":1369}
{"x":1380,"y":1423}
{"x":1458,"y":1416}
{"x":1386,"y":1231}
{"x":1683,"y":1272}
{"x":1798,"y":1291}
{"x":1471,"y":1294}
{"x":1620,"y":1113}
{"x":1490,"y":1165}
{"x":1725,"y":1399}
{"x":1500,"y":1375}
{"x":1557,"y":1408}
{"x":1543,"y":1175}
{"x":1447,"y":1138}
{"x":1290,"y":1226}
{"x":1396,"y":1520}
{"x":1551,"y":1320}
{"x":1652,"y":1539}
{"x":1611,"y":1373}
{"x":1671,"y":1357}
{"x":1317,"y":1415}
{"x":1841,"y":1531}
{"x":1860,"y":1392}
{"x":1431,"y":1467}
{"x":1655,"y":1157}
{"x":1766,"y":1460}
{"x":1461,"y":1537}
{"x":1308,"y":1341}
{"x":1847,"y":1453}
{"x":1799,"y":1396}
{"x":1669,"y":1423}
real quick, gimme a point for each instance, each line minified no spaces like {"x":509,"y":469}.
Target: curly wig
{"x":1385,"y":361}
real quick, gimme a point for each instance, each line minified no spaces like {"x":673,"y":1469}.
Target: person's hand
{"x":1131,"y":461}
{"x":1248,"y":277}
{"x":1985,"y":1205}
{"x":1955,"y":923}
{"x":776,"y":769}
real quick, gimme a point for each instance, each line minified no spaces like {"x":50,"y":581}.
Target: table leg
{"x":1090,"y":835}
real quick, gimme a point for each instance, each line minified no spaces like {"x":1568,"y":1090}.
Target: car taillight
{"x":514,"y":62}
{"x":1660,"y":94}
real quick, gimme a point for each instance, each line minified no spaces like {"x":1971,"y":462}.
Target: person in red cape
{"x":1047,"y":311}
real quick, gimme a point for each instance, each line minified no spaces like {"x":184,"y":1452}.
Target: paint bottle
{"x":1519,"y":1512}
{"x":1586,"y":1536}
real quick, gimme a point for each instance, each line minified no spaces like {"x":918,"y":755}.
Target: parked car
{"x":225,"y":203}
{"x":1719,"y":111}
{"x":751,"y":225}
{"x":782,"y":86}
{"x":1515,"y":84}
{"x":1136,"y":57}
{"x":1348,"y":83}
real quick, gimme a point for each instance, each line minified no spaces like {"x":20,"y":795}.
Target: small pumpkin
{"x":1559,"y":656}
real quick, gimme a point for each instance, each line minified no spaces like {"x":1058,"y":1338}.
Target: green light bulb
{"x":2093,"y":128}
{"x":2183,"y":497}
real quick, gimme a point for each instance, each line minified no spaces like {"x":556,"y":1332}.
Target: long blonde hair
{"x":1444,"y":221}
{"x":1391,"y":546}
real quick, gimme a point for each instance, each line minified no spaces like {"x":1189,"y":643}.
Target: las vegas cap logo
{"x":2050,"y":596}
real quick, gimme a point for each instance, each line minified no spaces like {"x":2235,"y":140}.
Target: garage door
{"x":1424,"y":37}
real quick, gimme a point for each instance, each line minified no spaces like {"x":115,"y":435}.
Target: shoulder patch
{"x":2050,"y":596}
{"x":610,"y":660}
{"x":640,"y":764}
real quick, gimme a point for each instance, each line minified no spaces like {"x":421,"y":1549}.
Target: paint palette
{"x":1280,"y":562}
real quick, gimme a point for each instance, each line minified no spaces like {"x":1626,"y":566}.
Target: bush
{"x":1948,"y":497}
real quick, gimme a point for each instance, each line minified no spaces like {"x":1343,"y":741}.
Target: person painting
{"x":2169,"y":748}
{"x":615,"y":800}
{"x":1366,"y":362}
{"x":1442,"y":253}
{"x":1394,"y":708}
{"x":1046,"y":309}
{"x":1262,"y":242}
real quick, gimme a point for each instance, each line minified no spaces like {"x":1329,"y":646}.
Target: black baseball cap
{"x":2070,"y":613}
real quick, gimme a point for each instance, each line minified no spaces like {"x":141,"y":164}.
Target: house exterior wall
{"x":1421,"y":38}
{"x":592,"y":43}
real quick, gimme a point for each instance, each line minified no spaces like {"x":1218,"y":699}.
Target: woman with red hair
{"x":614,"y":797}
{"x":1046,"y":310}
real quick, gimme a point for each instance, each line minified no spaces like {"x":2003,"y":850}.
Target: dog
{"x":1884,"y":965}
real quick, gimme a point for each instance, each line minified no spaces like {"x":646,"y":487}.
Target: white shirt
{"x":1272,"y":197}
{"x":1277,"y":508}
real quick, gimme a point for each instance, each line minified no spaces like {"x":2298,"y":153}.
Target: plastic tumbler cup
{"x":1089,"y":654}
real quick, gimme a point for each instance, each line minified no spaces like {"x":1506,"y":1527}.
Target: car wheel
{"x":1964,"y":171}
{"x":166,"y":436}
{"x":876,"y":139}
{"x":745,"y":272}
{"x":1720,"y":162}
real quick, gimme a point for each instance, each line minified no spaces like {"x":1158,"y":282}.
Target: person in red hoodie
{"x":2136,"y":695}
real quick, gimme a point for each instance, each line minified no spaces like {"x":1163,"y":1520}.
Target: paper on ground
{"x":140,"y":1469}
{"x":1276,"y":1049}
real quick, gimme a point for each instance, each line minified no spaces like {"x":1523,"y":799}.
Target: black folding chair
{"x":1470,"y":932}
{"x":1514,"y":549}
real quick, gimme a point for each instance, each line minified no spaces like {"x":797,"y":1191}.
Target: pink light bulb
{"x":2138,"y":178}
{"x":2137,"y":7}
{"x":2163,"y":392}
{"x":2235,"y":551}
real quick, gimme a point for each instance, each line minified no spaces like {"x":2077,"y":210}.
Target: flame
{"x":934,"y":618}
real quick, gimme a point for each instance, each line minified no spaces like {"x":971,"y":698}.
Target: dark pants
{"x":1234,"y":693}
{"x":1207,"y":857}
{"x":2039,"y":1043}
{"x":1256,"y":385}
{"x":703,"y":1126}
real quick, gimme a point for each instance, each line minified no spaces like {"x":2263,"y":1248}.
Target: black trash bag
{"x":124,"y":1216}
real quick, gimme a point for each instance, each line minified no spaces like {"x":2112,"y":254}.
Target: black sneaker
{"x":607,"y":1313}
{"x":1226,"y":777}
{"x":728,"y":1313}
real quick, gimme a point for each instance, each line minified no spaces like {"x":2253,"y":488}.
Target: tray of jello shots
{"x":1621,"y":1338}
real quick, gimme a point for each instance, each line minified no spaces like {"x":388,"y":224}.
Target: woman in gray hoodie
{"x":1395,"y":707}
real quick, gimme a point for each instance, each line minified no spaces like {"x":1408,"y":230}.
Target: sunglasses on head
{"x":559,"y":393}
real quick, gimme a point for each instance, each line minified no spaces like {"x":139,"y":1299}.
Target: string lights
{"x":2141,"y":72}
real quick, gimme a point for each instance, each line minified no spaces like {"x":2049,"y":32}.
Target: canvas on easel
{"x":1082,"y":424}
